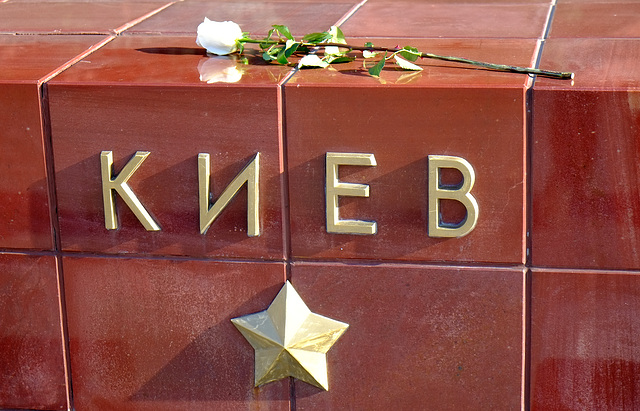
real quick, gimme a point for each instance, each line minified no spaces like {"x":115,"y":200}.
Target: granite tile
{"x":598,"y":20}
{"x":156,"y":334}
{"x":144,"y":93}
{"x":584,"y":151}
{"x":463,"y":3}
{"x":25,"y":221}
{"x":448,"y":20}
{"x":584,"y":350}
{"x":31,"y":352}
{"x":419,"y":337}
{"x":73,"y":17}
{"x":255,"y":17}
{"x":24,"y":214}
{"x":445,"y":110}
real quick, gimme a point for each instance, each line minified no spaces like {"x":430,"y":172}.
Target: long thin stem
{"x":490,"y":66}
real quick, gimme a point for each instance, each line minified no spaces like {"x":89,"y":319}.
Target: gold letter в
{"x":120,"y":186}
{"x":462,"y":194}
{"x":250,"y":175}
{"x":335,"y":188}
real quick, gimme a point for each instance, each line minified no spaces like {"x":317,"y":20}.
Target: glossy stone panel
{"x":598,"y":20}
{"x":35,"y":58}
{"x":419,"y":337}
{"x":104,"y":103}
{"x":25,"y":221}
{"x":255,"y":17}
{"x":31,"y":354}
{"x":156,"y":334}
{"x":403,"y":3}
{"x":24,"y":215}
{"x":448,"y":20}
{"x":584,"y":347}
{"x":402,"y":119}
{"x":585,"y":150}
{"x":73,"y":17}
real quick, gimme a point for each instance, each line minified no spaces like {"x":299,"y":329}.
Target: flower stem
{"x":490,"y":66}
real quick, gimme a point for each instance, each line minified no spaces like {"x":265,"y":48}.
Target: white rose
{"x":218,"y":37}
{"x":220,"y":69}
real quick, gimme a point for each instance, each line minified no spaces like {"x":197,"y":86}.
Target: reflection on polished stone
{"x":220,"y":69}
{"x":289,"y":340}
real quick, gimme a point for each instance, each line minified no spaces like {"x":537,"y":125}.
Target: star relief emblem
{"x":289,"y":340}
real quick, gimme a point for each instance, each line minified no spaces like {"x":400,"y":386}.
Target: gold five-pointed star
{"x":289,"y":340}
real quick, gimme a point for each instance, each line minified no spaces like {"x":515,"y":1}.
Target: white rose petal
{"x":218,"y":37}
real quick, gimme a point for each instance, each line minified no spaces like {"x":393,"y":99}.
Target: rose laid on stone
{"x":226,"y":37}
{"x":219,"y":37}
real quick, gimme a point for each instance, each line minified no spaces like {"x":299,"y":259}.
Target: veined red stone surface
{"x":25,"y":215}
{"x":151,"y":335}
{"x":584,"y":348}
{"x":584,"y":149}
{"x":105,"y":104}
{"x":402,"y":118}
{"x":31,"y":351}
{"x":409,"y":328}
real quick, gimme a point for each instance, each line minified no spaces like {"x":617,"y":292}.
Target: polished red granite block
{"x":585,"y":150}
{"x":73,"y":17}
{"x":401,"y":119}
{"x":419,"y":337}
{"x":25,"y":221}
{"x":410,"y":3}
{"x":156,"y":334}
{"x":599,"y":20}
{"x":448,"y":20}
{"x":32,"y":369}
{"x":255,"y":17}
{"x":145,"y":93}
{"x":584,"y":348}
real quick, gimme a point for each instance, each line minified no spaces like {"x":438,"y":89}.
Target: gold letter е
{"x":335,"y":188}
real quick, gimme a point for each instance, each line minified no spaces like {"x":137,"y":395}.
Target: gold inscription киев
{"x":334,"y":189}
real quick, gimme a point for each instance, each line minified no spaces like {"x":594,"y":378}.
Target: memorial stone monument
{"x":182,"y":231}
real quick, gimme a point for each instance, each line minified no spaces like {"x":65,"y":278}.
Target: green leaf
{"x":377,"y":68}
{"x":284,"y":30}
{"x":269,"y":34}
{"x":290,"y":47}
{"x":410,"y":53}
{"x":406,"y":65}
{"x":335,"y":51}
{"x":336,"y":35}
{"x":282,"y":58}
{"x":239,"y":47}
{"x":266,"y":56}
{"x":273,"y":53}
{"x":339,"y":59}
{"x":315,"y":38}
